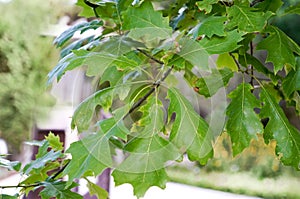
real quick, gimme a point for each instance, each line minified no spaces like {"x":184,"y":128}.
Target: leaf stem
{"x":251,"y":67}
{"x":144,"y":98}
{"x":150,"y":56}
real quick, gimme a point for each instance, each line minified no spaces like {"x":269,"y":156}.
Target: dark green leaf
{"x":285,"y":48}
{"x":213,"y":25}
{"x":75,"y":45}
{"x":287,"y":137}
{"x":219,"y":45}
{"x":141,"y":182}
{"x":291,"y":82}
{"x":247,"y":19}
{"x":58,"y":190}
{"x":269,"y":5}
{"x":189,"y":131}
{"x":295,"y":9}
{"x":247,"y":60}
{"x":243,"y":123}
{"x":206,"y":5}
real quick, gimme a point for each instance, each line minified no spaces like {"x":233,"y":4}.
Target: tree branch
{"x":150,"y":56}
{"x":145,"y":97}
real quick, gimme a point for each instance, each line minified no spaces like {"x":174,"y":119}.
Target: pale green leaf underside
{"x":189,"y":131}
{"x":145,"y":23}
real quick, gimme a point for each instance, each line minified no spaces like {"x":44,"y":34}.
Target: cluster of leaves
{"x":142,"y":45}
{"x":25,"y":58}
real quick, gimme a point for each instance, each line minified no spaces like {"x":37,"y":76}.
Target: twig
{"x":93,"y":6}
{"x":59,"y":171}
{"x":20,"y":186}
{"x":236,"y":62}
{"x":144,"y":98}
{"x":150,"y":56}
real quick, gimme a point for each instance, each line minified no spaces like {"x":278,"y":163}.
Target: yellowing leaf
{"x":226,"y":61}
{"x":243,"y":123}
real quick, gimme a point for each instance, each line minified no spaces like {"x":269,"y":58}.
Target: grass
{"x":281,"y":187}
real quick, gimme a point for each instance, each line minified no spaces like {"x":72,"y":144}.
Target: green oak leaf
{"x":42,"y":161}
{"x":190,"y":133}
{"x":141,"y":182}
{"x":247,"y":19}
{"x":54,"y":142}
{"x":295,"y":9}
{"x":98,"y":62}
{"x":90,"y":154}
{"x":10,"y":165}
{"x":213,"y":25}
{"x":192,"y":52}
{"x":243,"y":123}
{"x":269,"y":5}
{"x":291,"y":82}
{"x":83,"y":114}
{"x":219,"y":45}
{"x":206,"y":5}
{"x":82,"y":27}
{"x":58,"y":190}
{"x":149,"y":154}
{"x":279,"y":128}
{"x":226,"y":61}
{"x":96,"y":190}
{"x":280,"y":48}
{"x":209,"y":85}
{"x":146,"y":24}
{"x":248,"y":59}
{"x":86,"y":10}
{"x":119,"y":45}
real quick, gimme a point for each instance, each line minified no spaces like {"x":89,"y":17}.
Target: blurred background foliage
{"x":25,"y":59}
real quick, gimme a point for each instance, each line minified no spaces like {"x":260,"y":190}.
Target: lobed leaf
{"x":58,"y":190}
{"x":243,"y":123}
{"x":82,"y":27}
{"x":291,"y":82}
{"x":213,"y":25}
{"x":219,"y":45}
{"x":209,"y":85}
{"x":141,"y":182}
{"x":287,"y":137}
{"x":146,"y":24}
{"x":190,"y":133}
{"x":247,"y":19}
{"x":285,"y":49}
{"x":96,"y":190}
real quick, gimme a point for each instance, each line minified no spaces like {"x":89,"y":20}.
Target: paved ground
{"x":173,"y":190}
